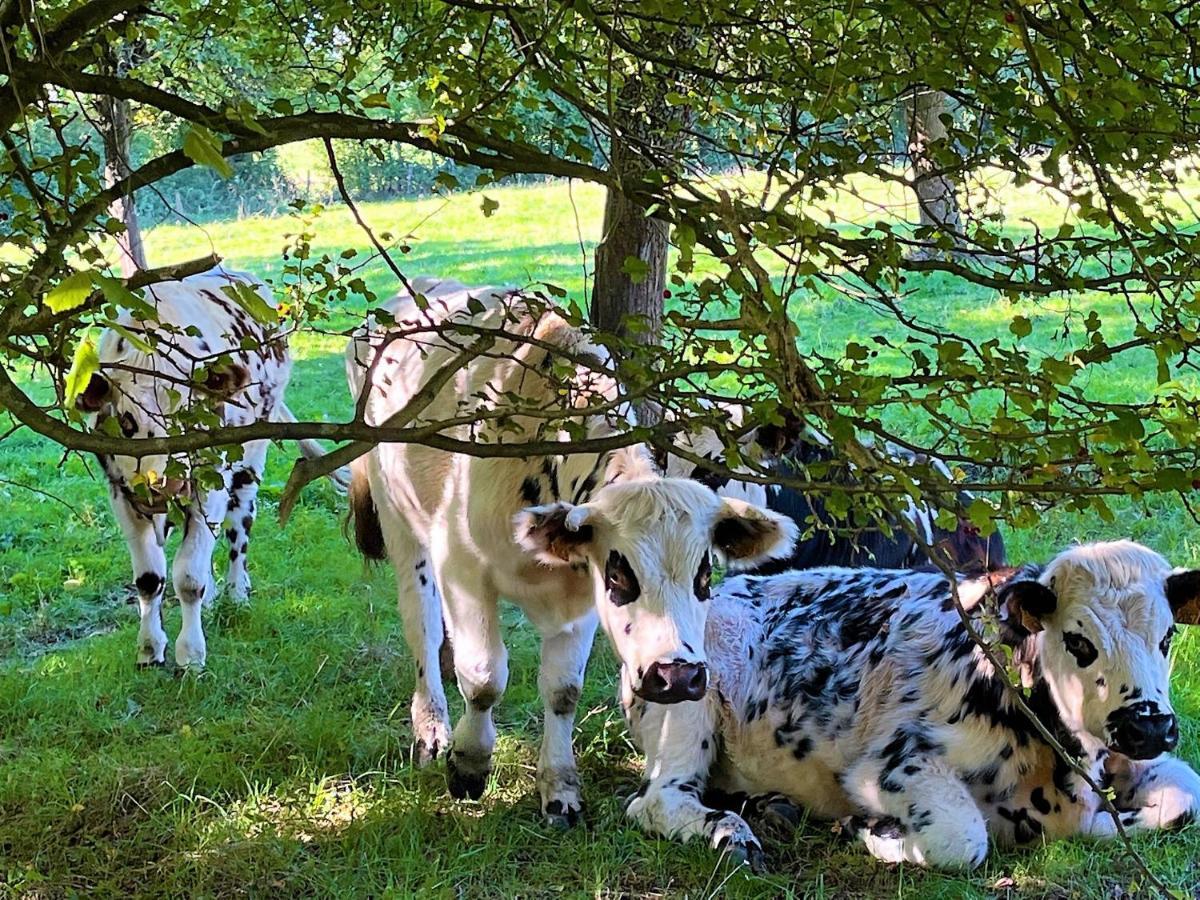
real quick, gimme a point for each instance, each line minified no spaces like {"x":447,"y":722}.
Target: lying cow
{"x":208,"y":351}
{"x":834,"y":543}
{"x":858,"y":694}
{"x":559,"y":535}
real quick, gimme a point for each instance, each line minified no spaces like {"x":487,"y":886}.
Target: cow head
{"x":650,"y":546}
{"x":1102,"y":616}
{"x":135,"y":395}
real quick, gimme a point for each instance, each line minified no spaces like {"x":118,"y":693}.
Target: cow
{"x":858,"y":695}
{"x":569,"y":538}
{"x":200,"y":349}
{"x":827,"y":541}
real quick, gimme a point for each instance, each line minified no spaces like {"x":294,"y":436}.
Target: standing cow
{"x":208,"y":352}
{"x":561,"y":535}
{"x":832,"y":542}
{"x":859,"y":695}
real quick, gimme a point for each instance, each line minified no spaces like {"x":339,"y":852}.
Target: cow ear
{"x":1028,"y":603}
{"x":557,"y":534}
{"x":1183,"y":593}
{"x":94,"y":395}
{"x":226,"y":379}
{"x":747,"y":535}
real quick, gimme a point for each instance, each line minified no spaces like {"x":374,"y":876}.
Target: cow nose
{"x":674,"y":682}
{"x":1145,"y":736}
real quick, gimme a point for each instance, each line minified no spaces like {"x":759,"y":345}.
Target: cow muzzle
{"x":673,"y":682}
{"x":1142,"y":736}
{"x":160,"y":496}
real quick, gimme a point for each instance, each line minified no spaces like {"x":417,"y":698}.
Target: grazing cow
{"x":858,"y":694}
{"x":834,"y":543}
{"x":560,"y":535}
{"x":209,"y":352}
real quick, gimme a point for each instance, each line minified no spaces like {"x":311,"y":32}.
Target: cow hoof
{"x":462,"y":784}
{"x":743,"y":854}
{"x":782,"y":814}
{"x":151,"y":664}
{"x":562,"y":816}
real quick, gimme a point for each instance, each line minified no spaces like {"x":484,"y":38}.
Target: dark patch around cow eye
{"x":702,"y":583}
{"x":620,"y":581}
{"x":128,"y":424}
{"x":1081,"y":648}
{"x":1165,"y":644}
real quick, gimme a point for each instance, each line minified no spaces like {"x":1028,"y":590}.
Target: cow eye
{"x":1165,"y":644}
{"x":1081,"y":648}
{"x":620,"y":581}
{"x":702,"y":583}
{"x":128,"y":424}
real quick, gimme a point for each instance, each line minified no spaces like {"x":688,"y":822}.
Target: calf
{"x":830,"y":542}
{"x":207,"y":351}
{"x":560,"y":535}
{"x":858,"y":695}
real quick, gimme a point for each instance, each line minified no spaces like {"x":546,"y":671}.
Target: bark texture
{"x":936,"y":199}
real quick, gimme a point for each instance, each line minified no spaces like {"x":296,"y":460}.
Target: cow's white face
{"x":650,"y":545}
{"x":1106,"y":614}
{"x":138,"y":394}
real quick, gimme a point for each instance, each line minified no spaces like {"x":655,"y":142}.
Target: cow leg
{"x":923,"y":811}
{"x":565,"y":652}
{"x":421,"y":612}
{"x":149,"y":575}
{"x":1162,"y":793}
{"x":239,"y":517}
{"x":481,"y":666}
{"x":680,"y":745}
{"x":193,"y":577}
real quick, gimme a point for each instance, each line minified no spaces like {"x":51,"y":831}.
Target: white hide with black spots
{"x":857,"y":694}
{"x":209,"y":352}
{"x":561,"y":536}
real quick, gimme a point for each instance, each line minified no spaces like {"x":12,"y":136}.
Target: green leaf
{"x":377,"y":100}
{"x":637,"y":269}
{"x":1021,"y":326}
{"x":69,"y":293}
{"x":135,"y":339}
{"x":118,"y":293}
{"x":252,"y":302}
{"x":489,"y":206}
{"x":84,"y":365}
{"x":203,"y":147}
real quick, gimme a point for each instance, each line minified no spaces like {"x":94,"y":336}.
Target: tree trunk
{"x":116,"y":130}
{"x":936,"y":198}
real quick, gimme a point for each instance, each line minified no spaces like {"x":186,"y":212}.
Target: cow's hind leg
{"x":565,"y":650}
{"x":922,"y":811}
{"x":481,"y":665}
{"x":192,"y":574}
{"x":239,"y":517}
{"x":421,"y":612}
{"x":150,"y":577}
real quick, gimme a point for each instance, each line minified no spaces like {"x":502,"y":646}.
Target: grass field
{"x":284,"y":769}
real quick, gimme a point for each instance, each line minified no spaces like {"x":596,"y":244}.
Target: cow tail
{"x":368,"y":533}
{"x":311,"y":449}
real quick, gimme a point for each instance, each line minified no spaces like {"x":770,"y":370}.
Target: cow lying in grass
{"x":209,"y":352}
{"x":828,"y":542}
{"x":562,"y":536}
{"x":858,"y":695}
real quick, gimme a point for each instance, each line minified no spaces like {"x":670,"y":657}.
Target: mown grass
{"x":284,"y":769}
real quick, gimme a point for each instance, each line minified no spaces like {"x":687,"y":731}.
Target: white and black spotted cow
{"x":559,"y":535}
{"x":827,"y":541}
{"x":207,"y":351}
{"x":858,"y":695}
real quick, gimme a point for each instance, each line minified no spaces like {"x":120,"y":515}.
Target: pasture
{"x":284,"y":769}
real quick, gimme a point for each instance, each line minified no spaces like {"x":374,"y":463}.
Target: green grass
{"x":284,"y":769}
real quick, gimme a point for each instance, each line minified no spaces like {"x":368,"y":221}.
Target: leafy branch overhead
{"x":772,"y":141}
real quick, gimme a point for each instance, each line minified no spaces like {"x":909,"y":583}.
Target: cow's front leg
{"x":149,"y":576}
{"x":922,"y":811}
{"x":239,"y":517}
{"x":1160,"y":793}
{"x":481,"y":666}
{"x":193,"y":577}
{"x":680,"y":744}
{"x":565,"y":650}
